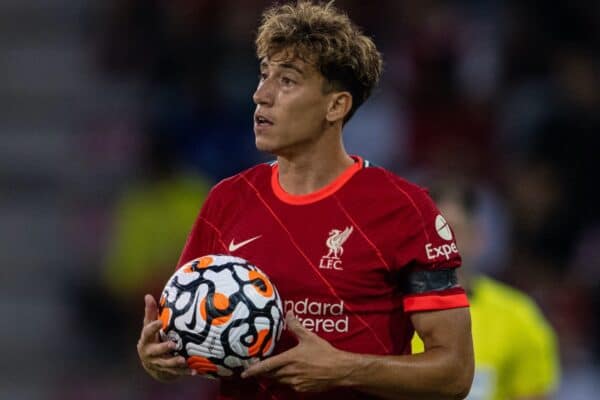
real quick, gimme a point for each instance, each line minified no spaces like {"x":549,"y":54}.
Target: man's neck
{"x":313,"y":168}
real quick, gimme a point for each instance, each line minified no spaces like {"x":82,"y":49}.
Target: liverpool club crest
{"x":335,"y":241}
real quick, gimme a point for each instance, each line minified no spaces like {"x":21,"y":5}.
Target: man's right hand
{"x":156,"y":356}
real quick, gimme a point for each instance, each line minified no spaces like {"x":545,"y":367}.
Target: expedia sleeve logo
{"x":442,"y":228}
{"x":445,"y":250}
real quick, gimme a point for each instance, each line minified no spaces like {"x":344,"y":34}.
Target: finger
{"x":287,"y":380}
{"x":150,"y":309}
{"x":294,"y":326}
{"x":296,"y":382}
{"x":268,"y":365}
{"x":286,"y":370}
{"x":170,"y":362}
{"x":177,"y":371}
{"x":149,"y":332}
{"x":159,"y":349}
{"x":281,"y":373}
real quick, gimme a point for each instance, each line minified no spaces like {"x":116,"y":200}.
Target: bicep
{"x":446,"y":335}
{"x":446,"y":329}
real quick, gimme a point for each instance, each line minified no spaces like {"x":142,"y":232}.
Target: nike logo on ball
{"x":235,"y":246}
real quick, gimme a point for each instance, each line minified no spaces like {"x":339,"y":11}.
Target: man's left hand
{"x":311,"y":366}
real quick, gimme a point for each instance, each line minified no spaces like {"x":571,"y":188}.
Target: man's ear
{"x":339,"y":106}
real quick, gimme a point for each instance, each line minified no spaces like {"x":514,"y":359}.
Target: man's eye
{"x":287,"y":81}
{"x":262,"y":76}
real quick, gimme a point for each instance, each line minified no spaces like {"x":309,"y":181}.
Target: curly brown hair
{"x":325,"y":37}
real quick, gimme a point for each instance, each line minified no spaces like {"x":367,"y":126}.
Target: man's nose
{"x":263,"y":95}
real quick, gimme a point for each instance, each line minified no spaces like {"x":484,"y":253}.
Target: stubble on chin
{"x":264,"y":147}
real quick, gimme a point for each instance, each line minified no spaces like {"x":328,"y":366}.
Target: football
{"x":223,"y":314}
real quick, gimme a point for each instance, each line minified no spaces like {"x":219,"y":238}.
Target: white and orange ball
{"x":223,"y":314}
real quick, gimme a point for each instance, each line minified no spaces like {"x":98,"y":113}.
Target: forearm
{"x":435,"y":374}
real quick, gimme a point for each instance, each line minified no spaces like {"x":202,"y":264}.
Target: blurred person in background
{"x":516,"y":354}
{"x":316,"y":69}
{"x":150,"y":221}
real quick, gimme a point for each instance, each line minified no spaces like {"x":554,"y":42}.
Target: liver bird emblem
{"x":336,"y":240}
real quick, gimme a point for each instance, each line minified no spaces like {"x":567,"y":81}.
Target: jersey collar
{"x":320,"y":194}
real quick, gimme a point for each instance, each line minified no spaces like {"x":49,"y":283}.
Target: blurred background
{"x":118,"y":115}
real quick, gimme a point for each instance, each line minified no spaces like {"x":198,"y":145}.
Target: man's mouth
{"x":262,"y":121}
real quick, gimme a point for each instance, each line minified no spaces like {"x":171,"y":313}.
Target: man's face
{"x":291,"y":106}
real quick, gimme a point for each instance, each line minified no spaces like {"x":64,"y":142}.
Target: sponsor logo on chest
{"x":335,"y":242}
{"x":319,"y":316}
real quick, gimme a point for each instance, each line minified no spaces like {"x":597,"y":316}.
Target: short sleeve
{"x":205,"y":236}
{"x":427,"y":256}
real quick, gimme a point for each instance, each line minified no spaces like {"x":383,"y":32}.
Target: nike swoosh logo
{"x":234,"y":246}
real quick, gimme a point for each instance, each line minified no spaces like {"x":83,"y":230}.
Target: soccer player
{"x":361,"y":257}
{"x":516,"y":355}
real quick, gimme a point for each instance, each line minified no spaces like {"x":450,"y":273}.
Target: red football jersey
{"x":338,"y":258}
